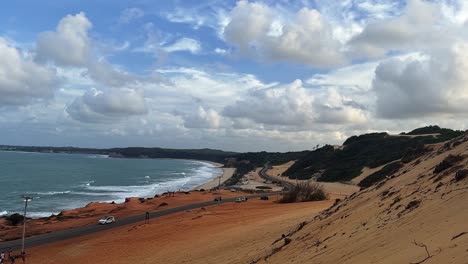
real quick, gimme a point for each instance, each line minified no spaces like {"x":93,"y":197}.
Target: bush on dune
{"x":304,"y":192}
{"x":14,"y":219}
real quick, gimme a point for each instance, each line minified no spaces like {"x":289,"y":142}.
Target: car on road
{"x":217,"y":199}
{"x":263,"y":197}
{"x":239,"y":200}
{"x":244,"y":199}
{"x":106,"y":220}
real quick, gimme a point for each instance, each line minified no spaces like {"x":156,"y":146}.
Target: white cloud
{"x":292,"y":105}
{"x":21,"y":79}
{"x":185,"y":16}
{"x":220,"y":51}
{"x":184,"y":44}
{"x":415,"y":88}
{"x":307,"y":38}
{"x":130,"y":14}
{"x":419,"y":27}
{"x":105,"y":73}
{"x":202,"y":118}
{"x":69,"y":45}
{"x":107,"y":106}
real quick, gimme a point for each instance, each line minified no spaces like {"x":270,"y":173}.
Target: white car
{"x":238,"y":200}
{"x":106,"y":220}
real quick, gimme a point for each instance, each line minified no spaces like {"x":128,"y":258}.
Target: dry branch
{"x":427,"y":252}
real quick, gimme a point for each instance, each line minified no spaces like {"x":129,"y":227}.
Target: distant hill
{"x":133,"y":152}
{"x":370,"y":150}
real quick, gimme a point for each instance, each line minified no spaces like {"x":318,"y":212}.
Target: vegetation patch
{"x":369,"y":150}
{"x":460,"y":175}
{"x":304,"y":192}
{"x":448,"y":162}
{"x":14,"y":219}
{"x":378,"y":176}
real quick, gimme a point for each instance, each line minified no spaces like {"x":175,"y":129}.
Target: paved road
{"x":288,"y":186}
{"x":79,"y":231}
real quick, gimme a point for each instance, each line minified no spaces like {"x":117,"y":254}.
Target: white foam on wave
{"x":39,"y":214}
{"x":190,"y":180}
{"x":89,"y":183}
{"x":98,"y":156}
{"x":3,"y":213}
{"x":53,"y":193}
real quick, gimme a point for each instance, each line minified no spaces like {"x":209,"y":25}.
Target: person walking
{"x":147,"y":217}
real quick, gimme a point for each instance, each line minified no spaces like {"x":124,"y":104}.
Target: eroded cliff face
{"x":418,"y":214}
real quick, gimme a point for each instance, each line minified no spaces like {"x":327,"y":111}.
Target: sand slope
{"x":390,"y":222}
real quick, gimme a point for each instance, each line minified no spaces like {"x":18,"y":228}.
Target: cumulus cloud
{"x":107,"y":106}
{"x":306,"y":38}
{"x":292,"y":105}
{"x":69,"y":44}
{"x":414,"y":88}
{"x":202,"y":118}
{"x":420,"y":26}
{"x":21,"y":79}
{"x":105,"y":73}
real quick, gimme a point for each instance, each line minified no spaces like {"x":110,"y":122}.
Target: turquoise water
{"x":65,"y":181}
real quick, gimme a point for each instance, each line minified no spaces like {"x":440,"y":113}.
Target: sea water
{"x":58,"y":182}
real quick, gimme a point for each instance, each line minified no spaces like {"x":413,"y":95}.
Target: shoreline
{"x":210,"y":183}
{"x":214,"y":182}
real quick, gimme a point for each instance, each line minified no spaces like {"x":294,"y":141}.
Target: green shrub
{"x":378,"y":176}
{"x":448,"y":162}
{"x":304,"y":192}
{"x":14,"y":219}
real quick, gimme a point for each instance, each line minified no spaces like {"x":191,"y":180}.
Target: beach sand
{"x":227,"y":173}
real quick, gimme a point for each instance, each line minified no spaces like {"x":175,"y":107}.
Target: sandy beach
{"x":215,"y":182}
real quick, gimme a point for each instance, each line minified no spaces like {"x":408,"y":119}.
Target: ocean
{"x":59,"y":182}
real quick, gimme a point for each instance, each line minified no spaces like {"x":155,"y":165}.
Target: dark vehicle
{"x":264,"y":197}
{"x":217,"y":199}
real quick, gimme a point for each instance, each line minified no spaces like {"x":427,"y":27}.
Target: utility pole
{"x":26,"y":200}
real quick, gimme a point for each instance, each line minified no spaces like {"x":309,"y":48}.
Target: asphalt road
{"x":288,"y":186}
{"x":80,"y":231}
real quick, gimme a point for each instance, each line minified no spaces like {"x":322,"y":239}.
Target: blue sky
{"x":234,"y":75}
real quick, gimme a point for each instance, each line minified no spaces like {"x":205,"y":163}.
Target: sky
{"x":231,"y":75}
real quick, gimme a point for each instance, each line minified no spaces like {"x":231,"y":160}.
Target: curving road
{"x":288,"y":186}
{"x":84,"y":230}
